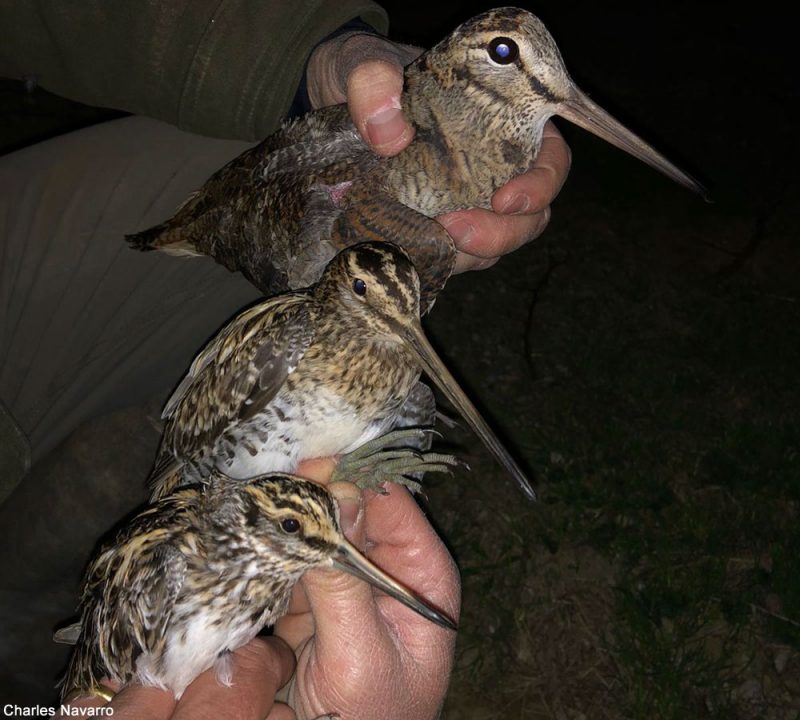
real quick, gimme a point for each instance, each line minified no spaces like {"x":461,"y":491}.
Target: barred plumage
{"x":479,"y":101}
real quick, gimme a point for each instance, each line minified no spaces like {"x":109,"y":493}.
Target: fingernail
{"x":386,"y":127}
{"x":483,"y":264}
{"x":517,"y":204}
{"x":462,"y":232}
{"x":349,"y":510}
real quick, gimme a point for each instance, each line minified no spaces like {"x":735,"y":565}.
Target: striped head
{"x":501,"y":75}
{"x":283,"y":515}
{"x":296,"y":522}
{"x":509,"y":48}
{"x":373,"y":284}
{"x":500,"y":72}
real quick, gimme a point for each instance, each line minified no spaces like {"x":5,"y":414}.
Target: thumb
{"x":373,"y":97}
{"x":343,"y":606}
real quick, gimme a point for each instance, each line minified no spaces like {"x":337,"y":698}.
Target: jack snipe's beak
{"x":436,"y":370}
{"x":352,"y":561}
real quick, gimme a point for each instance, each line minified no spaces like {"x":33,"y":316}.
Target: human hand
{"x":361,"y":654}
{"x":366,"y":71}
{"x":520,"y":209}
{"x":260,"y":668}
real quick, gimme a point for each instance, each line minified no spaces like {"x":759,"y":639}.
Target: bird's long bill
{"x":352,"y":561}
{"x":437,"y":371}
{"x":580,"y":110}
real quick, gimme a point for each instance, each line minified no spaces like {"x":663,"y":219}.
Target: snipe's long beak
{"x":580,"y":110}
{"x":352,"y":561}
{"x":436,"y":370}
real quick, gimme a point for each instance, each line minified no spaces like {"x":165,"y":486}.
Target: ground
{"x":641,"y":360}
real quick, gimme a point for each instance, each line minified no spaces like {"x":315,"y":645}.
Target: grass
{"x":656,"y":396}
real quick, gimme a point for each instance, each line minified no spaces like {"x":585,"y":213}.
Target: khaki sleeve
{"x":224,"y":68}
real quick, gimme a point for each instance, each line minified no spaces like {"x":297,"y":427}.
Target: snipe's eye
{"x":503,"y":50}
{"x":290,"y":525}
{"x":359,"y":287}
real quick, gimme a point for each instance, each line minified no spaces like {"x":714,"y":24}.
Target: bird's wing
{"x":238,"y":373}
{"x":251,"y":215}
{"x":147,"y":610}
{"x":130,"y":591}
{"x":418,"y":410}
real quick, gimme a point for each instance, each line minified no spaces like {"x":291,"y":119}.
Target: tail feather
{"x":162,"y":237}
{"x":149,"y":239}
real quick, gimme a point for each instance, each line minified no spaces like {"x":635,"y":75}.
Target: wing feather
{"x":235,"y":376}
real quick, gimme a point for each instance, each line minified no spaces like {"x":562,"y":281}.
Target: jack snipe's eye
{"x":290,"y":525}
{"x":359,"y":287}
{"x":503,"y":50}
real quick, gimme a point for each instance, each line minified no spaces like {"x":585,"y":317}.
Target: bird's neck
{"x":469,"y":143}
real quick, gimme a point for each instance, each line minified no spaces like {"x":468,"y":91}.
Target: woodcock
{"x":479,"y":101}
{"x":199,"y":573}
{"x":325,"y":371}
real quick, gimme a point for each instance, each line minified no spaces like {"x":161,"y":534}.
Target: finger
{"x":82,"y":702}
{"x":258,"y":670}
{"x":133,"y":701}
{"x":534,"y":190}
{"x":145,"y":703}
{"x":485,"y":234}
{"x":403,"y":543}
{"x":466,"y":263}
{"x":298,"y":603}
{"x":281,"y":712}
{"x":343,"y":606}
{"x":319,"y":470}
{"x":298,"y":624}
{"x":373,"y":97}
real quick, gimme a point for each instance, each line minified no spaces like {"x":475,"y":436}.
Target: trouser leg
{"x":88,"y":326}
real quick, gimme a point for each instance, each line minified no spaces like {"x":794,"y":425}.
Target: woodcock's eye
{"x":290,"y":525}
{"x":503,"y":50}
{"x":359,"y":287}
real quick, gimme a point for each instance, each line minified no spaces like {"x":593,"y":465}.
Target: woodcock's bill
{"x":479,"y":101}
{"x":199,"y":573}
{"x":325,"y":371}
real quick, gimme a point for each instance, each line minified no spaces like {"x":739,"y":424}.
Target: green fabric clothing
{"x":222,"y":68}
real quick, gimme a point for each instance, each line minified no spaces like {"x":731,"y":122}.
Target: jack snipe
{"x":199,"y":573}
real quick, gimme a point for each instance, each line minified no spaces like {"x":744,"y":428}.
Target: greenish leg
{"x":376,"y":462}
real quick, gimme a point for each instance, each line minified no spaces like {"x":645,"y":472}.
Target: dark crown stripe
{"x":499,"y":21}
{"x":385,"y":265}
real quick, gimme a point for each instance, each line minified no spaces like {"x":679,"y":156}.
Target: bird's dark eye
{"x":503,"y":50}
{"x":290,"y":525}
{"x":359,"y":287}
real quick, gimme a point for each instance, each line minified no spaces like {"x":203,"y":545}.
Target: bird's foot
{"x":377,"y":462}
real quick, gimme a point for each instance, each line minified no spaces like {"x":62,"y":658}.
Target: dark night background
{"x":642,"y":359}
